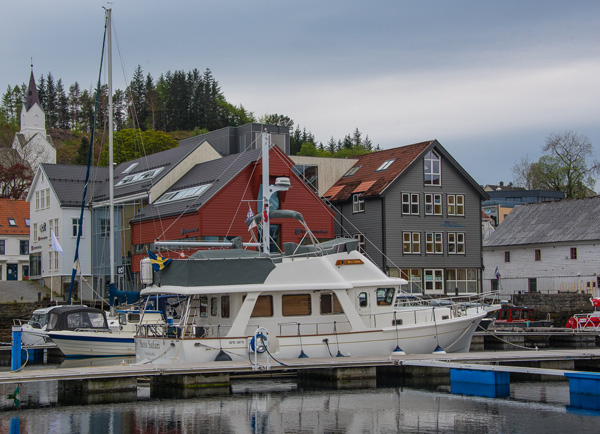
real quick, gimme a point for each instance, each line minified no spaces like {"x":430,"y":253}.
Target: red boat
{"x":517,"y":316}
{"x":590,"y":321}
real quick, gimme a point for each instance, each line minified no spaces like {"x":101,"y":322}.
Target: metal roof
{"x":549,"y":222}
{"x":68,"y":181}
{"x":217,"y":172}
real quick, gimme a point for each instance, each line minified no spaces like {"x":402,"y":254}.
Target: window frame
{"x":412,"y":242}
{"x":458,"y":241}
{"x":431,"y":160}
{"x":436,"y":243}
{"x":435,"y":203}
{"x":573,"y":253}
{"x":410,"y":201}
{"x":537,"y":255}
{"x":453,"y":207}
{"x":507,"y":256}
{"x":358,"y":204}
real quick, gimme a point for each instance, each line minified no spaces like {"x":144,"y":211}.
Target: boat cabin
{"x":514,"y":315}
{"x":73,"y":318}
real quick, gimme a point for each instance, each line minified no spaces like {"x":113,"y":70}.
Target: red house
{"x":211,"y":203}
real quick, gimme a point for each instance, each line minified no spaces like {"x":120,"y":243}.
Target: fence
{"x":546,"y":285}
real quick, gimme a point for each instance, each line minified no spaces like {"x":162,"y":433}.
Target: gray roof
{"x":549,"y":222}
{"x":68,"y":181}
{"x":217,"y":172}
{"x":167,"y":159}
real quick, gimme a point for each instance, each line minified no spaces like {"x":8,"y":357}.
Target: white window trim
{"x":412,"y":242}
{"x":456,"y":243}
{"x":358,"y":204}
{"x":413,"y":200}
{"x":432,"y":202}
{"x":454,"y":198}
{"x":431,"y":172}
{"x":437,"y":239}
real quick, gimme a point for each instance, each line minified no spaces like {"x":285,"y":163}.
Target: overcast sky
{"x":489,"y":80}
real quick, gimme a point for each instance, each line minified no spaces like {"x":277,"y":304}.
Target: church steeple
{"x":32,"y":96}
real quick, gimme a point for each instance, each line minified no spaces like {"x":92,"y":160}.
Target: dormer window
{"x":352,"y":171}
{"x":385,"y":165}
{"x":432,"y":169}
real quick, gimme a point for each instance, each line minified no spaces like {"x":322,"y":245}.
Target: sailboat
{"x":316,"y":300}
{"x":109,"y":336}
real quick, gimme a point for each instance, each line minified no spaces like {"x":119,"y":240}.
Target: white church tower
{"x":32,"y":143}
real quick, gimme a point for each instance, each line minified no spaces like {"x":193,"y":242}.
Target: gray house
{"x":417,"y":214}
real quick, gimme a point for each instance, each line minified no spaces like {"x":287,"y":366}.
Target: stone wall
{"x":11,"y":310}
{"x":560,"y":306}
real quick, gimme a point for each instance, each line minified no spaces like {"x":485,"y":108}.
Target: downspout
{"x":383,"y":236}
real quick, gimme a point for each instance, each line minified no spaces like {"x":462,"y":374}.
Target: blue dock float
{"x":490,"y":384}
{"x":584,"y":389}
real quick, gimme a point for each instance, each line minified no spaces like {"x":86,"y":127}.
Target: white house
{"x":32,"y":143}
{"x":546,"y":247}
{"x":14,"y":239}
{"x":55,"y":206}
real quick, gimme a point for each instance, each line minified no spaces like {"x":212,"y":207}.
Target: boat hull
{"x":452,"y":335}
{"x":93,"y":344}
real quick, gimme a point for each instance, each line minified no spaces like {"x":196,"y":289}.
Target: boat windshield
{"x":38,"y":321}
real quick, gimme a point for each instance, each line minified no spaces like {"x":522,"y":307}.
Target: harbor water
{"x":281,"y":406}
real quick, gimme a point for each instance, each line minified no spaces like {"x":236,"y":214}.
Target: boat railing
{"x":295,"y":328}
{"x":181,"y":331}
{"x":587,"y":322}
{"x":473,"y":300}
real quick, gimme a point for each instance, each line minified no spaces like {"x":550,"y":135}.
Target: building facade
{"x":546,"y":247}
{"x":14,"y":239}
{"x":417,"y":214}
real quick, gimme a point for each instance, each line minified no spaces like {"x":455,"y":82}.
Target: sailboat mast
{"x":111,"y":181}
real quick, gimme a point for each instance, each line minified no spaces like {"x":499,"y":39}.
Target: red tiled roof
{"x":368,"y":180}
{"x":18,"y":210}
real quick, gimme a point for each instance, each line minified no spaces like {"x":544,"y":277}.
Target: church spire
{"x":32,"y":96}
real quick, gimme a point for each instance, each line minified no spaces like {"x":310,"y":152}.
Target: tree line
{"x":178,"y":100}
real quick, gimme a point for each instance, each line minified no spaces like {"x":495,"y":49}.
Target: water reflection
{"x":279,"y":406}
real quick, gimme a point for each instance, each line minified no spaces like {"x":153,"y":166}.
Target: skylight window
{"x":12,"y":222}
{"x":27,"y":222}
{"x":148,"y":174}
{"x":187,"y":193}
{"x":352,"y":171}
{"x":385,"y":165}
{"x":130,"y":168}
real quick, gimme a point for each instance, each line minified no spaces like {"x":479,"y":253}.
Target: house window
{"x":2,"y":247}
{"x":358,"y":203}
{"x":411,"y":242}
{"x":56,"y":227}
{"x":461,"y":280}
{"x":330,"y":304}
{"x":506,"y":256}
{"x":456,"y":204}
{"x":573,"y":252}
{"x":56,"y":260}
{"x":433,"y":204}
{"x":42,"y":200}
{"x":434,"y":280}
{"x":104,"y":227}
{"x":35,"y":233}
{"x":23,"y":247}
{"x":361,"y":242}
{"x":47,"y":198}
{"x":410,"y":203}
{"x":75,"y":227}
{"x":538,"y":255}
{"x":385,"y":165}
{"x":12,"y":222}
{"x":37,"y":200}
{"x":50,"y":262}
{"x":149,"y":174}
{"x":295,"y":305}
{"x":456,"y":243}
{"x":193,"y":192}
{"x":434,"y":243}
{"x":414,"y":278}
{"x":432,"y":169}
{"x":27,"y":222}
